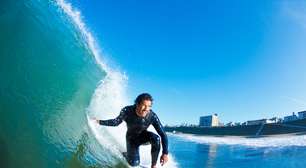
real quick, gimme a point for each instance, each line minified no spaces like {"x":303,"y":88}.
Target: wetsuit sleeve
{"x":115,"y":122}
{"x":160,"y":130}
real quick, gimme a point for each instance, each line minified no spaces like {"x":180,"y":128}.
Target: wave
{"x":108,"y":99}
{"x":53,"y":80}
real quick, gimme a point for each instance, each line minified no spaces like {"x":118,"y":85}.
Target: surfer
{"x":138,"y":118}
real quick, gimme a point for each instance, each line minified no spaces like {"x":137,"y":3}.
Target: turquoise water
{"x":48,"y":75}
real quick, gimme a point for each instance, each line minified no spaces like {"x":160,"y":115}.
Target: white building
{"x":209,"y":121}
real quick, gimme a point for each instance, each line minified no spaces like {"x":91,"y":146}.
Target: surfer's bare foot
{"x":153,"y":166}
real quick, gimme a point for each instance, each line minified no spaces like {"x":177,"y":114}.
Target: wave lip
{"x":75,"y":15}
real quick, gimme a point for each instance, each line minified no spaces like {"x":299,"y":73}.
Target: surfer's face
{"x":143,"y":108}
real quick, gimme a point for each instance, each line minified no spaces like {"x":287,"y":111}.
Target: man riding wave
{"x":138,"y":118}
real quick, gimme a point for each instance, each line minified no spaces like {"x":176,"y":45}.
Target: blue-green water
{"x":48,"y":74}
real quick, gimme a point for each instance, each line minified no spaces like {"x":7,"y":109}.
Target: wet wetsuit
{"x":137,"y":133}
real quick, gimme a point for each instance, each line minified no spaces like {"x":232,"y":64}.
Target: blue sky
{"x":241,"y":59}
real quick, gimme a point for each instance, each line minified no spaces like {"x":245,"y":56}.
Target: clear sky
{"x":240,"y":59}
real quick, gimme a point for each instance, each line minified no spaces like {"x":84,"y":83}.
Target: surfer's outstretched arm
{"x":115,"y":122}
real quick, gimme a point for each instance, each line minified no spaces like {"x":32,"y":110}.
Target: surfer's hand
{"x":98,"y":121}
{"x":163,"y":159}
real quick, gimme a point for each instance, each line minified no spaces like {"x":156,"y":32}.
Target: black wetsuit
{"x":137,"y":133}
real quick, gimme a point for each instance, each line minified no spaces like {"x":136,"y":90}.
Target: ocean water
{"x":237,"y":152}
{"x":50,"y":68}
{"x":54,"y":78}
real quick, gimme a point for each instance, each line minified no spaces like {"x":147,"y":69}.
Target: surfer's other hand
{"x":163,"y":159}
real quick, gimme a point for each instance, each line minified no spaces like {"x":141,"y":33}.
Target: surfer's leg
{"x":154,"y":140}
{"x":132,"y":153}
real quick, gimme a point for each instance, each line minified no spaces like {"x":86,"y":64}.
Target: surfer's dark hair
{"x":142,"y":97}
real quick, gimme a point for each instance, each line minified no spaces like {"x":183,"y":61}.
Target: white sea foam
{"x":109,"y":97}
{"x":273,"y":141}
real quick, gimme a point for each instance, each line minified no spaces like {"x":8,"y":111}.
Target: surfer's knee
{"x":155,"y":139}
{"x":133,"y":162}
{"x":155,"y":142}
{"x":133,"y":156}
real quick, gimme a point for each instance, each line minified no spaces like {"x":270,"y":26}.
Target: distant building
{"x":290,"y":118}
{"x":230,"y":124}
{"x":237,"y":124}
{"x":302,"y":114}
{"x":280,"y":120}
{"x":220,"y":124}
{"x":276,"y":120}
{"x":209,"y":121}
{"x":261,"y":121}
{"x":272,"y":120}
